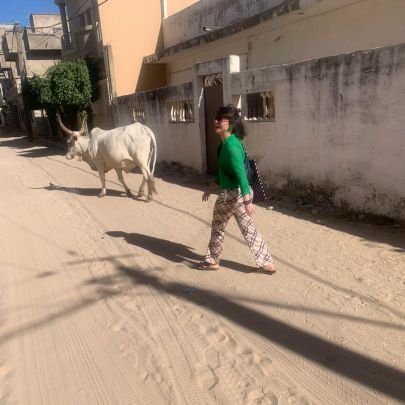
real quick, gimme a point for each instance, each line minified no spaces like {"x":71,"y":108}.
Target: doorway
{"x":213,"y":100}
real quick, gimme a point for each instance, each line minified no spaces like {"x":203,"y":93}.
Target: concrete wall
{"x":41,"y":51}
{"x":39,"y":67}
{"x":189,"y":22}
{"x":77,"y":7}
{"x":339,"y":128}
{"x":3,"y":62}
{"x":42,"y":22}
{"x":36,"y":42}
{"x":84,"y":37}
{"x":337,"y":134}
{"x":318,"y":29}
{"x":175,"y":6}
{"x":132,"y":33}
{"x":177,"y":142}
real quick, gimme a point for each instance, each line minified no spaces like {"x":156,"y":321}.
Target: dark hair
{"x":231,"y":113}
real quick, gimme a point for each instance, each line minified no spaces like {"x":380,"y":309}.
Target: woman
{"x":236,"y":195}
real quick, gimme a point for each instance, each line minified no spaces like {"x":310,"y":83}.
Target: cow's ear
{"x":75,"y":137}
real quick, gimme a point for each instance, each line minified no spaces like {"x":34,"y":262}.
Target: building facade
{"x":25,"y":52}
{"x":319,"y":86}
{"x":117,"y":37}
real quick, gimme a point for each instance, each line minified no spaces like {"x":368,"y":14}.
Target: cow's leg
{"x":122,"y":181}
{"x":141,"y":192}
{"x":147,"y":178}
{"x":101,"y":173}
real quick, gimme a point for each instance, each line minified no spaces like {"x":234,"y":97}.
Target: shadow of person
{"x":173,"y":251}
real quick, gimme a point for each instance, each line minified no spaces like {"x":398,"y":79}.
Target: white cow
{"x":122,"y":148}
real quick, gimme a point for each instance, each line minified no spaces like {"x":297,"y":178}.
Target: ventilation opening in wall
{"x":260,"y":106}
{"x":213,"y":80}
{"x":138,"y":113}
{"x":181,"y":111}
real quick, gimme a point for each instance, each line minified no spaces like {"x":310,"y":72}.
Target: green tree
{"x":36,"y":93}
{"x":70,"y":87}
{"x":70,"y":84}
{"x":67,"y":87}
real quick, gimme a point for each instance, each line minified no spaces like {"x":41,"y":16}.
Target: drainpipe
{"x":163,"y":8}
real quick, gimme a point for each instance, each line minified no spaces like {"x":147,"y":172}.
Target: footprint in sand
{"x":215,"y":335}
{"x":206,"y":378}
{"x":296,"y":400}
{"x":260,"y":396}
{"x":267,"y":366}
{"x":129,"y":353}
{"x":116,"y":327}
{"x":212,"y":358}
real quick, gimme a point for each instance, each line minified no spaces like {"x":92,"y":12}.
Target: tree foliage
{"x":70,"y":84}
{"x":37,"y":93}
{"x":65,"y":84}
{"x":69,"y":87}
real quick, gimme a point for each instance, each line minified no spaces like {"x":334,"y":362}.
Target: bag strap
{"x":246,"y":152}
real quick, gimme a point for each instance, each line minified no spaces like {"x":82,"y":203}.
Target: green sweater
{"x":231,"y":171}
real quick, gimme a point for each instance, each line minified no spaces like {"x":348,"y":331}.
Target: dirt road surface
{"x":100,"y":303}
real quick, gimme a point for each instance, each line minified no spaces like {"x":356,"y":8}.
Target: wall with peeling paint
{"x":314,"y":30}
{"x":189,"y":23}
{"x":339,"y":128}
{"x":177,"y":142}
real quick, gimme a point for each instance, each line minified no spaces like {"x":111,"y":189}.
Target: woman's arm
{"x":211,"y":188}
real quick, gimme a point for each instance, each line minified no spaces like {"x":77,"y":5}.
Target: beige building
{"x":117,"y":36}
{"x":26,"y":52}
{"x":320,"y":87}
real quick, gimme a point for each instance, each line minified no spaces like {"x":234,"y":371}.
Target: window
{"x":260,"y":106}
{"x":85,"y":18}
{"x":138,"y":113}
{"x":181,"y":111}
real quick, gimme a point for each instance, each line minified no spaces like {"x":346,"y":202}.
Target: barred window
{"x":260,"y":106}
{"x":181,"y":111}
{"x":138,"y":113}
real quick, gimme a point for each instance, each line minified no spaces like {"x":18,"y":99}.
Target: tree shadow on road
{"x":355,"y":366}
{"x":103,"y":292}
{"x":29,"y":149}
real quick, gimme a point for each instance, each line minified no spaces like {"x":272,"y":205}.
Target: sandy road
{"x":100,"y":303}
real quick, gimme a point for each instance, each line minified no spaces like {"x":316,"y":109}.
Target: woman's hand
{"x":206,"y":195}
{"x":250,"y":209}
{"x":209,"y":191}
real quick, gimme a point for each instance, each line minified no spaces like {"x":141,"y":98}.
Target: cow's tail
{"x":153,"y":152}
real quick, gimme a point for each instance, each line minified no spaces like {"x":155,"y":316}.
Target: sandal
{"x":208,"y":266}
{"x":267,"y":269}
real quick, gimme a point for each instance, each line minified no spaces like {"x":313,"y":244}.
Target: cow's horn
{"x":64,"y":129}
{"x":83,"y":128}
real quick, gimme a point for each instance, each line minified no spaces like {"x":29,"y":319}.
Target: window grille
{"x":181,"y":111}
{"x":260,"y":106}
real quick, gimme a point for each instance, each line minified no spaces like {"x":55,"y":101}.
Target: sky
{"x":20,"y":10}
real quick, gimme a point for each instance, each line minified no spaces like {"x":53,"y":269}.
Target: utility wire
{"x":74,"y":15}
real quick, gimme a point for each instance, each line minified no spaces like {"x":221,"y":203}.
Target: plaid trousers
{"x":230,"y":202}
